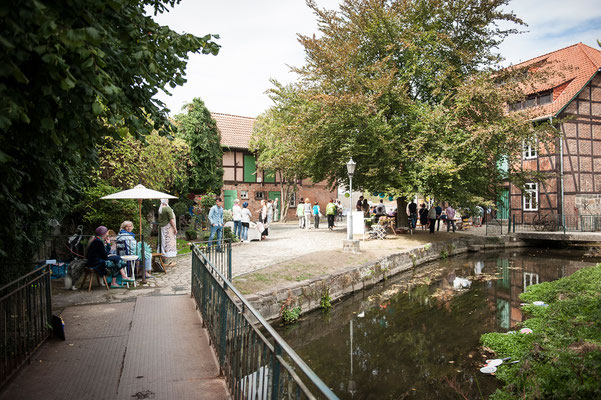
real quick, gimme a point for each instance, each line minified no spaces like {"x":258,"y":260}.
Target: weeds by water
{"x":561,"y":359}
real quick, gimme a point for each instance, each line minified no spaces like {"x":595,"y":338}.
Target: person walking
{"x":432,"y":219}
{"x":413,"y":214}
{"x":423,"y":216}
{"x":438,"y":214}
{"x":237,"y":218}
{"x":245,"y":216}
{"x":308,"y":210}
{"x":263,"y":219}
{"x":300,"y":213}
{"x":331,"y":214}
{"x":450,"y":217}
{"x":269,"y":211}
{"x":216,"y":221}
{"x":316,"y":212}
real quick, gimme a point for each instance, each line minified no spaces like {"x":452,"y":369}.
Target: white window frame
{"x":292,"y":202}
{"x":244,"y":195}
{"x":530,"y":149}
{"x":530,"y":202}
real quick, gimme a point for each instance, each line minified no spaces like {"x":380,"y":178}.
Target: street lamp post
{"x":350,"y":168}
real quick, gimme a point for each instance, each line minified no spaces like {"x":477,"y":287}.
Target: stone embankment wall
{"x":308,"y":293}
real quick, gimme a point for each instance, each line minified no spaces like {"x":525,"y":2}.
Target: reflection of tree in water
{"x":405,"y":343}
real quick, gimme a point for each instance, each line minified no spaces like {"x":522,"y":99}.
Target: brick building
{"x":572,"y":94}
{"x":243,"y":180}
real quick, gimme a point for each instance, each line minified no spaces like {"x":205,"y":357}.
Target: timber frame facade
{"x":572,"y":187}
{"x":243,"y":180}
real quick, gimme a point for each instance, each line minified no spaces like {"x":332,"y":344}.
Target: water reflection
{"x":418,"y":335}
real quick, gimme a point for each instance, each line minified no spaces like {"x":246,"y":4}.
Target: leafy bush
{"x":561,"y":359}
{"x":180,"y":208}
{"x":191,"y":234}
{"x":227,"y":216}
{"x":110,"y":213}
{"x":289,"y":313}
{"x":325,"y":303}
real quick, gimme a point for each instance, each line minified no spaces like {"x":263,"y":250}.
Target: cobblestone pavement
{"x":285,"y":242}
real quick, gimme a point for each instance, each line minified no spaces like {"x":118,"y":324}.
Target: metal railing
{"x":494,"y":227}
{"x":25,"y":314}
{"x":256,"y":362}
{"x":219,"y":254}
{"x":555,"y":223}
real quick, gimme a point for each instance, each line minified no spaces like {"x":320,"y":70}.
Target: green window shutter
{"x":269,"y":176}
{"x":250,"y":169}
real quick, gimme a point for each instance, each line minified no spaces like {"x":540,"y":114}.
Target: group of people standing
{"x":430,"y":218}
{"x":378,"y":210}
{"x":241,"y":216}
{"x":305,"y":210}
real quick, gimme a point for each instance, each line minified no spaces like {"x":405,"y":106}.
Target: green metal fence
{"x":555,"y":223}
{"x":256,"y":362}
{"x":25,"y":311}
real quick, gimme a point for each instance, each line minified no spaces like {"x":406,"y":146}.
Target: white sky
{"x":258,"y":42}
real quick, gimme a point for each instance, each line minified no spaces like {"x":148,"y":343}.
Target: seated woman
{"x":100,"y":260}
{"x":127,"y":237}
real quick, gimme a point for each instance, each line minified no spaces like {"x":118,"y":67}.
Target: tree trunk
{"x":402,"y":221}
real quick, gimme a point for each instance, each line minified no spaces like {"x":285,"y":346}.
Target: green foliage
{"x":325,"y":302}
{"x":71,"y":75}
{"x":561,"y":359}
{"x":289,"y":313}
{"x":397,"y":86}
{"x":180,"y":208}
{"x":207,"y":201}
{"x":111,"y":213}
{"x":199,"y":130}
{"x":191,"y":234}
{"x":158,"y":163}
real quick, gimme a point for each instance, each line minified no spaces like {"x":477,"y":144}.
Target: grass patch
{"x":561,"y":359}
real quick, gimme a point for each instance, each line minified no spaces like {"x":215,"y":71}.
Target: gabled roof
{"x":570,"y":69}
{"x":235,"y":130}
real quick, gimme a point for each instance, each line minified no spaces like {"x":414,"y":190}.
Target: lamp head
{"x":350,"y":167}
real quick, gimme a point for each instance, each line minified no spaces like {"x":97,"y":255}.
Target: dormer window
{"x":533,"y":100}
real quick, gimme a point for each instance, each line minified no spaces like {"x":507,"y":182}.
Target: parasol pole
{"x":142,"y":250}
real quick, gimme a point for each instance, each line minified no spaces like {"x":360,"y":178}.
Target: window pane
{"x":544,"y":99}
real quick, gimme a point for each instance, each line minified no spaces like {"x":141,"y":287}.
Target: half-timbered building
{"x":245,"y":181}
{"x":571,"y":99}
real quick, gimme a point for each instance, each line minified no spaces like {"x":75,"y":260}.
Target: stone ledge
{"x":345,"y":282}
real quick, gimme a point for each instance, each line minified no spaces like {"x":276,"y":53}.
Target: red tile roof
{"x":235,"y":130}
{"x":570,"y":69}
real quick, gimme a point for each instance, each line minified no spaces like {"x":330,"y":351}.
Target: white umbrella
{"x":139,"y":192}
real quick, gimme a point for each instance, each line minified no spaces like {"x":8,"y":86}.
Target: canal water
{"x":417,"y":334}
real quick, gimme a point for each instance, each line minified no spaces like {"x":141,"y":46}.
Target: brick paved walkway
{"x":149,"y":348}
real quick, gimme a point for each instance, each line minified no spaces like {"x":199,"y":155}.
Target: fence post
{"x":509,"y":225}
{"x":223,"y":329}
{"x":275,"y":383}
{"x":229,"y":259}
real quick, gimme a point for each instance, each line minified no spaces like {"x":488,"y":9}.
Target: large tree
{"x":198,"y":128}
{"x":70,"y":75}
{"x":277,"y":139}
{"x":406,"y":88}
